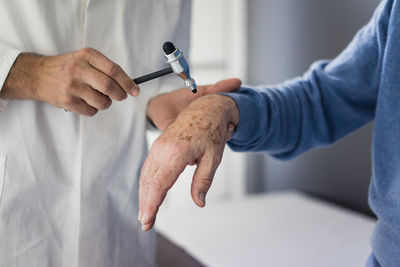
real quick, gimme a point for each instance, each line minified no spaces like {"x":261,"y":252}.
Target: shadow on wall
{"x":285,"y":37}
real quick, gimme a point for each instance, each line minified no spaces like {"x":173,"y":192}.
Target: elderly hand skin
{"x":163,"y":109}
{"x":197,"y":136}
{"x":82,"y":81}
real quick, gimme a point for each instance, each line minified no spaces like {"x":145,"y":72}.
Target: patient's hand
{"x":163,"y":109}
{"x":197,"y":136}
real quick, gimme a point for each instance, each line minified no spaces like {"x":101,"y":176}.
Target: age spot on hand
{"x":186,"y":138}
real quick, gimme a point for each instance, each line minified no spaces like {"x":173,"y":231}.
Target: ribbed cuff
{"x":248,"y":114}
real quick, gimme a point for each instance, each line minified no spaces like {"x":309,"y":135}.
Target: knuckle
{"x":85,"y":52}
{"x":69,"y":101}
{"x":91,"y":112}
{"x":104,"y":103}
{"x":129,"y":82}
{"x":121,"y":96}
{"x":110,"y":88}
{"x":204,"y":182}
{"x":107,"y":84}
{"x":114,"y":70}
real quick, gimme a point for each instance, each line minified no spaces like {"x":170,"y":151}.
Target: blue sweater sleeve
{"x":331,"y":100}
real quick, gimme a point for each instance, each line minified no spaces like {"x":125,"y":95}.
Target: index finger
{"x":155,"y":181}
{"x":111,"y":69}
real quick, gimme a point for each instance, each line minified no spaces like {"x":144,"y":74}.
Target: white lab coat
{"x":68,"y":183}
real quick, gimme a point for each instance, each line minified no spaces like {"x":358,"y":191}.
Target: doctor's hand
{"x":196,"y":137}
{"x":163,"y":109}
{"x":82,"y":81}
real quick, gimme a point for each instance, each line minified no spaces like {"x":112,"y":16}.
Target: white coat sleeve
{"x":7,"y":59}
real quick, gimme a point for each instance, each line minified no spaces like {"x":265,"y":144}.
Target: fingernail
{"x":139,"y":216}
{"x":135,"y":90}
{"x":145,"y":227}
{"x":202,"y":197}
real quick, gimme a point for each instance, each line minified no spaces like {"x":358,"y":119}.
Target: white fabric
{"x":7,"y":58}
{"x":70,"y":182}
{"x":282,"y":229}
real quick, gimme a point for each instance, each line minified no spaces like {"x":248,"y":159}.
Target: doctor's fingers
{"x":111,"y":69}
{"x":79,"y":106}
{"x":224,"y":86}
{"x":203,"y":176}
{"x":227,"y":85}
{"x":93,"y":97}
{"x":102,"y":83}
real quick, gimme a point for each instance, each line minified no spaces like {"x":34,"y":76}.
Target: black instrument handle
{"x":153,"y":75}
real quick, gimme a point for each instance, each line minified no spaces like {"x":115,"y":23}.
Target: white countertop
{"x":279,"y":229}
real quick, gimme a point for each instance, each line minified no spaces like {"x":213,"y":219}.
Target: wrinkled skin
{"x":163,"y":109}
{"x":197,"y":136}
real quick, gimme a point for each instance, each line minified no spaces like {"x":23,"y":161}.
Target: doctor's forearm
{"x":20,"y":82}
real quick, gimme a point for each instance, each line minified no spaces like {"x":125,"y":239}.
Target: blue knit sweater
{"x":331,"y":100}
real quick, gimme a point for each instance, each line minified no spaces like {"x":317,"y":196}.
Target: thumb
{"x":228,"y":85}
{"x":203,"y":178}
